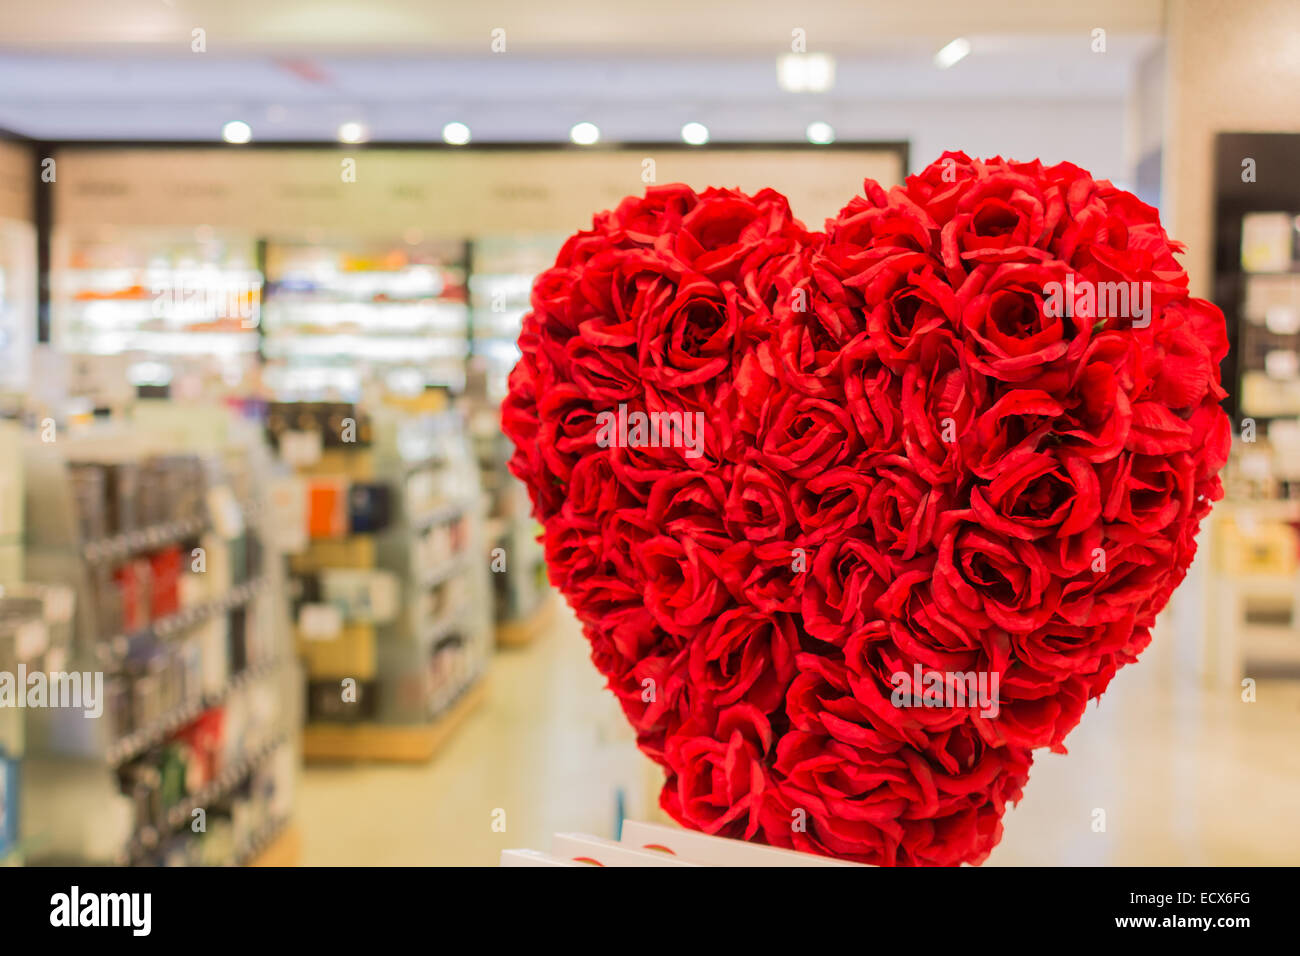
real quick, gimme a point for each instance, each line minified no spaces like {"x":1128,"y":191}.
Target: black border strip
{"x":43,"y":219}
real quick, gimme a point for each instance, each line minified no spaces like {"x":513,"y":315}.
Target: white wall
{"x":1233,"y":67}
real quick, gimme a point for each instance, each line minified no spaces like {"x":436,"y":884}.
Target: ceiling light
{"x":952,"y":53}
{"x":236,"y":131}
{"x":821,"y":134}
{"x":806,"y":72}
{"x":455,"y":134}
{"x":696,"y":134}
{"x":352,"y":132}
{"x":584,"y":134}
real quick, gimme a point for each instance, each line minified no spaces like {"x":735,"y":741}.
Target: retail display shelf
{"x":441,"y":572}
{"x":155,"y":536}
{"x":182,"y":812}
{"x":135,"y":744}
{"x":411,"y":743}
{"x":443,"y":627}
{"x":35,"y":632}
{"x":369,"y":344}
{"x":337,"y":303}
{"x":193,"y":642}
{"x":125,"y":544}
{"x":511,"y":548}
{"x":228,"y":778}
{"x":446,"y":512}
{"x":392,"y":612}
{"x":500,"y":285}
{"x":117,"y":648}
{"x":161,"y":292}
{"x":312,"y":300}
{"x":190,"y":342}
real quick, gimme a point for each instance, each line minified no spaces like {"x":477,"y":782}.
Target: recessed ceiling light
{"x":952,"y":53}
{"x":353,"y":132}
{"x":584,"y":134}
{"x":696,"y":134}
{"x":806,"y":72}
{"x":455,"y":134}
{"x":821,"y":134}
{"x":237,"y":131}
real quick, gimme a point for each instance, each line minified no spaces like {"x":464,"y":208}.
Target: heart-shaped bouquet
{"x":855,"y":520}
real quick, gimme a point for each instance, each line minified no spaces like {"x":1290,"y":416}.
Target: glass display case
{"x":338,"y":314}
{"x":156,"y":293}
{"x":500,"y":285}
{"x":17,"y":302}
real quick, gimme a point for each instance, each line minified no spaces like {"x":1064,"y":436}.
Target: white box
{"x":700,"y":848}
{"x":602,"y":852}
{"x":533,"y":858}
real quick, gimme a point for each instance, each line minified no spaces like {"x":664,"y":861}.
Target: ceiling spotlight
{"x":237,"y":131}
{"x":455,"y":134}
{"x":821,"y":134}
{"x":584,"y":134}
{"x":952,"y":53}
{"x":352,"y":132}
{"x":805,"y":72}
{"x":696,"y":134}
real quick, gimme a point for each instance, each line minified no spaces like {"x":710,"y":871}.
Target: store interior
{"x":262,"y":272}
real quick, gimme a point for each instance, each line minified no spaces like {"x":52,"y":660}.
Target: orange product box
{"x":327,"y":507}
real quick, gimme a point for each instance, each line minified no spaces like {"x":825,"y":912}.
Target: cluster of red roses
{"x":909,"y":459}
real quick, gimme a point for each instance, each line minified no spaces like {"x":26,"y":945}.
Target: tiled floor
{"x":1183,"y":775}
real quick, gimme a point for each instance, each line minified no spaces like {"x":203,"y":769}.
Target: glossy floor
{"x":1175,"y":773}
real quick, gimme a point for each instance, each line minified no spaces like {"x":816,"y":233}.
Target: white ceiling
{"x":535,"y":27}
{"x":296,"y":69}
{"x":517,"y":97}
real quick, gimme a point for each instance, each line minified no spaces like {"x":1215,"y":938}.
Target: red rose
{"x":758,"y":506}
{"x":728,"y":233}
{"x":832,"y":502}
{"x":846,"y":578}
{"x":686,"y":339}
{"x":1015,"y":333}
{"x":683,"y":587}
{"x":983,"y":580}
{"x":806,"y":437}
{"x":746,"y":655}
{"x":721,"y":780}
{"x":641,"y":220}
